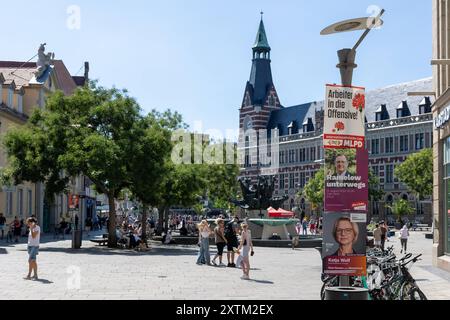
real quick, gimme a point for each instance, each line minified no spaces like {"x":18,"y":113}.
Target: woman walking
{"x":220,"y":241}
{"x":404,"y":235}
{"x":203,"y":242}
{"x":246,"y":249}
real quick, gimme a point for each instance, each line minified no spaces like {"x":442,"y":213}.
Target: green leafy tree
{"x":375,"y":192}
{"x":401,"y":208}
{"x":151,"y":152}
{"x":92,"y":132}
{"x":417,"y":174}
{"x":314,"y":190}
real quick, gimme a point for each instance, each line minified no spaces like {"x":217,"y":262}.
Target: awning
{"x":280,"y":213}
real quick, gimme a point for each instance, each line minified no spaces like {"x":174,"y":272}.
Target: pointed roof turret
{"x":261,"y":42}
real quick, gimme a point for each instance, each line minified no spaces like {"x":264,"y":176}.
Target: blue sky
{"x":194,"y":56}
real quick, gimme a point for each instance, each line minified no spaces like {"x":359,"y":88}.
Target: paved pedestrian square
{"x":170,"y":272}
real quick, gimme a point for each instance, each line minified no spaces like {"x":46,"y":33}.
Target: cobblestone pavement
{"x":171,"y":273}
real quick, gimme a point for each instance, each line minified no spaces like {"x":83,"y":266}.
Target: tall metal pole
{"x":346,"y":66}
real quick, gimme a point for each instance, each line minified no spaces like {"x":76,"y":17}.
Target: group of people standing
{"x":14,"y":230}
{"x":235,"y":236}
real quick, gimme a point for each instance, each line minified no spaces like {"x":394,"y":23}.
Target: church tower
{"x":260,"y":97}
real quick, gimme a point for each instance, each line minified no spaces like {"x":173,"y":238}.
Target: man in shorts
{"x":232,"y":241}
{"x":33,"y":247}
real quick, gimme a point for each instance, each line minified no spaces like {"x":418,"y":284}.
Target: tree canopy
{"x":417,"y":173}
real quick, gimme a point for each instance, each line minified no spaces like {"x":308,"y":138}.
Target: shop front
{"x":441,"y":193}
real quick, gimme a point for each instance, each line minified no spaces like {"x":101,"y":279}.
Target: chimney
{"x":86,"y":72}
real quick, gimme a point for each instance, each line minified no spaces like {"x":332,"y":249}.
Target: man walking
{"x":384,"y":232}
{"x":2,"y":224}
{"x":33,"y":248}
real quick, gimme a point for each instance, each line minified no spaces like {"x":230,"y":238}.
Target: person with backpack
{"x":232,"y":240}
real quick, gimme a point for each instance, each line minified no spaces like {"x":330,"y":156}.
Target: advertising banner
{"x":344,"y":244}
{"x":344,"y":117}
{"x":73,"y":201}
{"x":346,"y":180}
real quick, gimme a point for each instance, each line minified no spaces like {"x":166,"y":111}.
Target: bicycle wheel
{"x":416,"y":294}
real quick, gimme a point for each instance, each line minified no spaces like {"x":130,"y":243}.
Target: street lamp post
{"x":347,"y":61}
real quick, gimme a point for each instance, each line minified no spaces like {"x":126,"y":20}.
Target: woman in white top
{"x":246,"y":246}
{"x":404,"y":234}
{"x":203,"y":242}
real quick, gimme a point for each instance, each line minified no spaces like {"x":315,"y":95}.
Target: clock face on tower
{"x":248,"y":123}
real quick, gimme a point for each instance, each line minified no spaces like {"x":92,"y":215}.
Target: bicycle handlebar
{"x":409,"y":255}
{"x":415,"y":259}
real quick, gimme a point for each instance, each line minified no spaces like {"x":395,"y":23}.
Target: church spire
{"x":261,"y":44}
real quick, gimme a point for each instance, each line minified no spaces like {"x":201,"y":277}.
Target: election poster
{"x":344,"y":244}
{"x":344,"y":117}
{"x":346,"y":180}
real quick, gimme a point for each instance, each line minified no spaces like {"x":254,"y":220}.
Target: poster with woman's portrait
{"x":346,"y":180}
{"x":344,"y":244}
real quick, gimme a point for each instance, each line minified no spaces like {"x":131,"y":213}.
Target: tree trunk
{"x":160,"y":226}
{"x":112,"y":239}
{"x":166,"y":218}
{"x":144,"y":225}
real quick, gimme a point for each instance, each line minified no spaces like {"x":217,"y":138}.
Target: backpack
{"x":229,"y":232}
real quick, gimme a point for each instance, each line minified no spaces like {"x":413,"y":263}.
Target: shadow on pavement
{"x":261,"y":281}
{"x":3,"y":251}
{"x":120,"y":252}
{"x":43,"y":281}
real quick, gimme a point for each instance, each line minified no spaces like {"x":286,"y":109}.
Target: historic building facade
{"x":397,"y":125}
{"x":23,"y":87}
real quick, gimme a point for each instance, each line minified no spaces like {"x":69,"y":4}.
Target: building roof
{"x":22,"y":73}
{"x":19,"y":72}
{"x":390,"y":97}
{"x":260,"y":79}
{"x":393,"y":96}
{"x":261,"y":41}
{"x":65,"y":82}
{"x":282,"y":118}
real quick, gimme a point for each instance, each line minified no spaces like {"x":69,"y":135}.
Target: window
{"x":389,"y":173}
{"x":389,"y":144}
{"x":30,"y":203}
{"x":302,"y":155}
{"x":313,"y":154}
{"x":20,"y":103}
{"x":281,"y":181}
{"x":420,"y":141}
{"x":10,"y":97}
{"x":375,"y":146}
{"x":272,"y":101}
{"x":9,"y":203}
{"x":291,"y":181}
{"x":403,"y":143}
{"x":302,"y":179}
{"x":20,"y":202}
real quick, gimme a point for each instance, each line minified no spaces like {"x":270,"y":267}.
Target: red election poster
{"x":345,"y":117}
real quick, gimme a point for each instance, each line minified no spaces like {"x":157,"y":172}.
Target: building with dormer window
{"x":23,"y":87}
{"x":397,"y":125}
